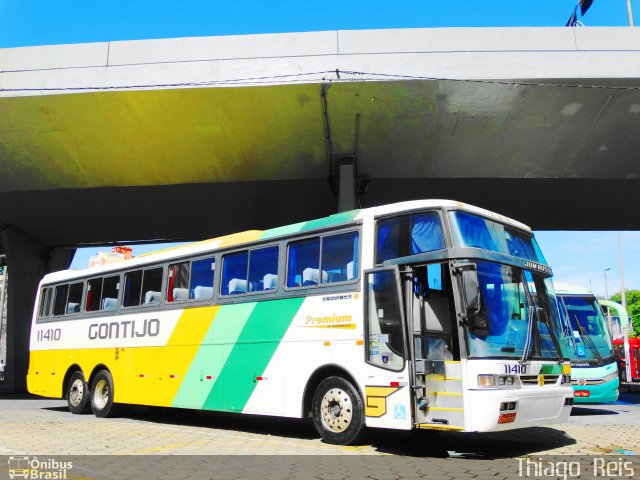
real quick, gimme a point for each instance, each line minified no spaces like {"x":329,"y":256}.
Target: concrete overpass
{"x":195,"y":137}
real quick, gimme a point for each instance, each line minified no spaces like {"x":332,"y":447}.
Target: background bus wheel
{"x":102,"y":395}
{"x":78,"y":396}
{"x":338,"y":411}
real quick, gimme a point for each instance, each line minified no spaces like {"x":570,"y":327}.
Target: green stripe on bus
{"x":336,"y":219}
{"x":551,"y":370}
{"x":286,"y":230}
{"x":252,"y":352}
{"x":212,"y":354}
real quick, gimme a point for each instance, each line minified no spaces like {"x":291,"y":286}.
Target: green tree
{"x":633,"y":308}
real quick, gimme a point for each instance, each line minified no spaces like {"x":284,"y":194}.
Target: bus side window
{"x":234,"y":273}
{"x":75,"y":297}
{"x":45,"y":303}
{"x":263,"y":269}
{"x":303,"y":263}
{"x":408,"y":235}
{"x":201,"y":283}
{"x":94,"y":292}
{"x":109,"y":299}
{"x":132,"y":288}
{"x":60,"y":303}
{"x":151,"y":286}
{"x":339,"y":257}
{"x":178,"y":282}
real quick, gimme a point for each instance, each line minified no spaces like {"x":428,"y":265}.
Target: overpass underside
{"x":107,"y":166}
{"x":193,"y":138}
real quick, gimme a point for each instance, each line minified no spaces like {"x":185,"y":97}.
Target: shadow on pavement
{"x":258,"y":424}
{"x":420,"y":443}
{"x":514,"y":443}
{"x":18,"y":396}
{"x":580,"y":411}
{"x":57,"y":409}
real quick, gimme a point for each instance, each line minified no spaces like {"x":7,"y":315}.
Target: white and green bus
{"x":426,"y":314}
{"x":588,"y":341}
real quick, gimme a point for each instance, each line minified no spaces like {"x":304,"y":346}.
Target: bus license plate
{"x":581,"y":393}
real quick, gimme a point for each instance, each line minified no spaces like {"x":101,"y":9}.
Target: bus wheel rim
{"x":76,"y":394}
{"x":336,"y":410}
{"x":101,"y":394}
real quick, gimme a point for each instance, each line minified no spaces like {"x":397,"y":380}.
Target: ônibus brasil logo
{"x":38,"y":469}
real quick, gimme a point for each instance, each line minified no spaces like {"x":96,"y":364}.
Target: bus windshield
{"x":520,"y":314}
{"x":473,"y":231}
{"x":588,"y":338}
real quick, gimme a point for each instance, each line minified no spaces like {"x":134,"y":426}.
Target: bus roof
{"x":251,"y":236}
{"x":564,"y":288}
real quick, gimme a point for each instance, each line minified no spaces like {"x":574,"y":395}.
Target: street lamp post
{"x":606,"y":292}
{"x":623,"y":298}
{"x":606,"y":289}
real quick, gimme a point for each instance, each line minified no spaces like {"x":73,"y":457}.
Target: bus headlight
{"x":506,"y":380}
{"x":486,"y":380}
{"x":566,"y":379}
{"x":493,"y":381}
{"x":610,"y":377}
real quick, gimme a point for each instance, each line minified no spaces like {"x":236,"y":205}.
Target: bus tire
{"x":338,"y":412}
{"x":78,"y":395}
{"x":102,"y":395}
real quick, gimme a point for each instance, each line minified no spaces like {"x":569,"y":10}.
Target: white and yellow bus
{"x":425,"y":314}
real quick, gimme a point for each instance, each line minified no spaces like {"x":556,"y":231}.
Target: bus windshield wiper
{"x":542,"y":313}
{"x":527,"y":345}
{"x":586,"y":338}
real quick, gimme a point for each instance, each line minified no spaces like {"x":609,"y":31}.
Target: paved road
{"x":160,"y":437}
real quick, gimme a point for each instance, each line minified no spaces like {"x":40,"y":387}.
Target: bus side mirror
{"x":471,"y":298}
{"x":471,"y":288}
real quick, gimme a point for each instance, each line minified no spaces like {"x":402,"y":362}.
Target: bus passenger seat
{"x":151,"y":297}
{"x":109,"y":303}
{"x":237,"y":285}
{"x":180,"y":294}
{"x":270,"y":281}
{"x":202,"y":292}
{"x":73,"y":307}
{"x":311,"y":276}
{"x":350,"y":273}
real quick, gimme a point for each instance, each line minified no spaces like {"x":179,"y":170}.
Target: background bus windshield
{"x":589,"y":337}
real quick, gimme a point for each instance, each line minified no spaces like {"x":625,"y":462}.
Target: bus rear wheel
{"x":78,"y":396}
{"x":338,"y":413}
{"x":102,"y":395}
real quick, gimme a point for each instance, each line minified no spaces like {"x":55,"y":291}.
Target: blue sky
{"x":44,"y":22}
{"x":578,"y":257}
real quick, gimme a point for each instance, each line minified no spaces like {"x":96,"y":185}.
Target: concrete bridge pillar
{"x":27,"y":262}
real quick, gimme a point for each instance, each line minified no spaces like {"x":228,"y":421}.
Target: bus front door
{"x":437,"y":370}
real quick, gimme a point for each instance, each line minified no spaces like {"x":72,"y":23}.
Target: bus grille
{"x":594,"y":381}
{"x":533,"y":379}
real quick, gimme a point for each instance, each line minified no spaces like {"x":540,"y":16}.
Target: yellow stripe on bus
{"x":144,"y":375}
{"x":159,"y":363}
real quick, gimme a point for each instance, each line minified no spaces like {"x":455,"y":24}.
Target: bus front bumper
{"x":527,"y":407}
{"x":607,"y":392}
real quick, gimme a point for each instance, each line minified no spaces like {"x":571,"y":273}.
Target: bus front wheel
{"x":338,"y":413}
{"x":78,"y":396}
{"x":102,"y":395}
